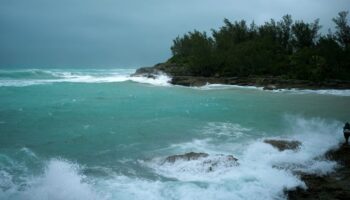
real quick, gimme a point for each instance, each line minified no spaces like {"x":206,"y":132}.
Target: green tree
{"x":342,"y":29}
{"x":286,"y":48}
{"x":304,"y":34}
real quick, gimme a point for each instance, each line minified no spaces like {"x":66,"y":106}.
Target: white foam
{"x":334,"y":92}
{"x":29,"y":152}
{"x":226,"y":87}
{"x":5,"y":181}
{"x":264,"y":171}
{"x":88,"y":76}
{"x":60,"y":180}
{"x":225,"y":129}
{"x":122,"y":187}
{"x":203,"y":169}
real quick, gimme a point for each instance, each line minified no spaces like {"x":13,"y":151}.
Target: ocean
{"x":101,"y":134}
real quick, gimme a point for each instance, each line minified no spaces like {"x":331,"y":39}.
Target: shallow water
{"x":101,"y":134}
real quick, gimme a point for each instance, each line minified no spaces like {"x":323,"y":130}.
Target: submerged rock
{"x":282,"y":145}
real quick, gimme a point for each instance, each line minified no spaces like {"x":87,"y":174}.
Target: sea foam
{"x":258,"y":162}
{"x":28,"y":77}
{"x":334,"y":92}
{"x":60,"y":180}
{"x":263,"y":172}
{"x":22,"y":78}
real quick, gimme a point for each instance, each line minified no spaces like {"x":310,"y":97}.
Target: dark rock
{"x":181,"y":75}
{"x":186,"y":156}
{"x":149,"y":72}
{"x":223,"y":160}
{"x":211,"y":162}
{"x":282,"y":145}
{"x":342,"y":155}
{"x":333,"y":186}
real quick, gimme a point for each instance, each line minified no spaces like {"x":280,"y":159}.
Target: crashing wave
{"x":21,"y":78}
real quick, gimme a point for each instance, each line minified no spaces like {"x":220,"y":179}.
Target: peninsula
{"x":275,"y":55}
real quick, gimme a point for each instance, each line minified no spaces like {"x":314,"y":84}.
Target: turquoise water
{"x":100,"y":134}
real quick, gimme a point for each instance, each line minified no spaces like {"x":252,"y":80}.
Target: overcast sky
{"x":129,"y":33}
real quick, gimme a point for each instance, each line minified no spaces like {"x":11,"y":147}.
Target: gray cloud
{"x":114,"y":33}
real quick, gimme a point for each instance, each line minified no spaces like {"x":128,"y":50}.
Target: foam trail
{"x":334,"y":92}
{"x":226,"y":87}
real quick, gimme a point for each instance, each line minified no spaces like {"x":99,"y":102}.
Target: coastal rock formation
{"x":207,"y":161}
{"x":186,"y":156}
{"x":181,"y":76}
{"x":333,"y":186}
{"x":148,"y":72}
{"x":282,"y":145}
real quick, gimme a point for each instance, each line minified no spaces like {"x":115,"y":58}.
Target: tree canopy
{"x":294,"y":49}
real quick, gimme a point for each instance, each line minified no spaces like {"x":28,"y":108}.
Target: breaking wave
{"x":21,"y":78}
{"x":28,"y":77}
{"x":263,"y":172}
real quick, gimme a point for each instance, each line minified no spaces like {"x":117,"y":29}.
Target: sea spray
{"x":21,"y":78}
{"x":60,"y":180}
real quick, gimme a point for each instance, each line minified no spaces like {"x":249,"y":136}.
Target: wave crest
{"x":21,"y":78}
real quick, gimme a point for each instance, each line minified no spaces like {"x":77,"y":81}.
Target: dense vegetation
{"x":293,"y":49}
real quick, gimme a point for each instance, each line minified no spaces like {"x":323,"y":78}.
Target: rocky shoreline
{"x":179,"y":77}
{"x":332,"y":186}
{"x":335,"y":185}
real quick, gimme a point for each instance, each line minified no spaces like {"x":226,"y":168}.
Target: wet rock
{"x":186,"y":156}
{"x":220,"y":160}
{"x":181,"y":75}
{"x":342,"y":155}
{"x":282,"y":145}
{"x":149,"y":72}
{"x":332,"y":186}
{"x":270,"y":87}
{"x":211,"y":163}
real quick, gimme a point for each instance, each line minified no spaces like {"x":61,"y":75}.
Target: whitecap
{"x":86,"y":76}
{"x":225,"y":129}
{"x":264,"y":172}
{"x":60,"y":180}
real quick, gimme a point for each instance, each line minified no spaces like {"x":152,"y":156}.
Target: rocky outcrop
{"x":181,"y":76}
{"x":209,"y":162}
{"x":169,"y":69}
{"x":148,"y":72}
{"x":186,"y":156}
{"x":333,"y":186}
{"x":282,"y":145}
